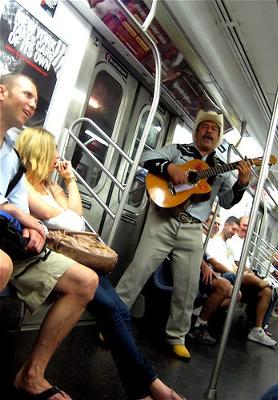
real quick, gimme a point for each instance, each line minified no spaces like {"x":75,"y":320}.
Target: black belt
{"x":179,"y":214}
{"x":186,"y":218}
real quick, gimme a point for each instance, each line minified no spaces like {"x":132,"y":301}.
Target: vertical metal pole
{"x":211,"y":226}
{"x":211,"y":392}
{"x":150,"y":118}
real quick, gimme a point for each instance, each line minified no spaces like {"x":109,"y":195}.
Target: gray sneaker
{"x":261,"y":337}
{"x":202,"y":335}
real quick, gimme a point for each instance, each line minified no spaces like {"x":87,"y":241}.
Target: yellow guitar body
{"x":165,"y":195}
{"x":160,"y":191}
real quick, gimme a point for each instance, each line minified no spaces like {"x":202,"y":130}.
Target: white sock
{"x":199,"y":322}
{"x":257,"y":328}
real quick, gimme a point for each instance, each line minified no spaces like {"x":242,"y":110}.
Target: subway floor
{"x":85,"y":369}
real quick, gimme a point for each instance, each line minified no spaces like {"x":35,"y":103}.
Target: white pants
{"x":163,"y":235}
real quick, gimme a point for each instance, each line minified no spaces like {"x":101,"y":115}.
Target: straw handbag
{"x":83,"y":247}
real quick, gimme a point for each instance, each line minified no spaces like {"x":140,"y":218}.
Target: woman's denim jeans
{"x":113,"y":318}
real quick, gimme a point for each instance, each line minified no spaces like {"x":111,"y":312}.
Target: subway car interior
{"x":116,"y":78}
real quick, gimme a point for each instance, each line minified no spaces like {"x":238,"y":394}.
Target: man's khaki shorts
{"x":34,"y":281}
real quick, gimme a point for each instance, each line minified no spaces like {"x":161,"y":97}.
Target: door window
{"x":137,"y":191}
{"x":153,"y":135}
{"x":102,"y":108}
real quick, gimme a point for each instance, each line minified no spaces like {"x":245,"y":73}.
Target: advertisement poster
{"x":49,"y":6}
{"x":177,"y":77}
{"x":28,"y":47}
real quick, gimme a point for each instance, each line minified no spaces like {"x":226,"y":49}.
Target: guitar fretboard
{"x":210,"y":172}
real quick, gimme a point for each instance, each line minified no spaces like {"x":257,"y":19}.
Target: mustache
{"x":208,"y":135}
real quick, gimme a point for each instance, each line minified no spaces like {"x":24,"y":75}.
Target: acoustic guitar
{"x":164,"y":194}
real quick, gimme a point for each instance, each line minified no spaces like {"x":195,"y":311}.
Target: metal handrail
{"x":264,"y":250}
{"x":211,"y":392}
{"x":265,"y":242}
{"x":150,"y":16}
{"x":150,"y":116}
{"x":234,"y":148}
{"x":205,"y":244}
{"x":92,"y":156}
{"x":96,"y":197}
{"x":134,"y":163}
{"x":107,"y":138}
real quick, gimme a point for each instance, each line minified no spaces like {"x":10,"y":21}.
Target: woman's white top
{"x":68,"y":219}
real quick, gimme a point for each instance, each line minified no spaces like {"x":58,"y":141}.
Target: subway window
{"x":102,"y":108}
{"x":138,"y":187}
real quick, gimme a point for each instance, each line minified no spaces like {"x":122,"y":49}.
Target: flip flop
{"x":22,"y":395}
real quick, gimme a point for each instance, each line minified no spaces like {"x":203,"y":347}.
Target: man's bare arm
{"x":219,"y":267}
{"x":27,"y":220}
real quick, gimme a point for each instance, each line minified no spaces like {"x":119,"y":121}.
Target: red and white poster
{"x":27,"y":46}
{"x":177,"y":77}
{"x":49,"y":6}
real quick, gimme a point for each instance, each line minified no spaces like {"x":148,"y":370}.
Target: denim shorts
{"x":230,"y":276}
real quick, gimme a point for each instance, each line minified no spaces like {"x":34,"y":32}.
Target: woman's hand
{"x":64,"y":169}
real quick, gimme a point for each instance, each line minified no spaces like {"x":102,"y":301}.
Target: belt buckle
{"x":184,"y":218}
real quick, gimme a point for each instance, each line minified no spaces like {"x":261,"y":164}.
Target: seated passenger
{"x":217,"y":288}
{"x":235,"y":245}
{"x":275,"y":265}
{"x":222,"y":261}
{"x":6,"y":269}
{"x":272,"y":266}
{"x":74,"y":283}
{"x":274,"y":273}
{"x":49,"y":202}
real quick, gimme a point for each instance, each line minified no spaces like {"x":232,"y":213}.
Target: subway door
{"x":110,"y":98}
{"x":131,"y":224}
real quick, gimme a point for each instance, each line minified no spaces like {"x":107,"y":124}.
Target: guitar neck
{"x":211,"y":172}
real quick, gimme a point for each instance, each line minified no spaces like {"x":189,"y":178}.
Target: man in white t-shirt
{"x":217,"y":289}
{"x":235,"y":244}
{"x":217,"y":249}
{"x":222,"y":261}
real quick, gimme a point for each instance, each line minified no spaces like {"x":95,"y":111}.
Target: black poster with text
{"x":27,"y":46}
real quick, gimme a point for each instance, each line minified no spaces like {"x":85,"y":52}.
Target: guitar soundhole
{"x":193,"y":176}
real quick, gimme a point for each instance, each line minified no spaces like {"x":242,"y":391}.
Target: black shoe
{"x":201,"y":334}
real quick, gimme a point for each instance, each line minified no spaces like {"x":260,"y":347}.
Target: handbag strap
{"x":54,"y":241}
{"x":14,"y":181}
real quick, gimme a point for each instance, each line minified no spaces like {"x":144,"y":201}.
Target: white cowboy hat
{"x":209,"y":116}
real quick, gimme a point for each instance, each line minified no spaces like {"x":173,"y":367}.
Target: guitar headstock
{"x":258,"y":161}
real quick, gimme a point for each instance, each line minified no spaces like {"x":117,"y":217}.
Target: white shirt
{"x":68,"y":219}
{"x":217,"y":248}
{"x":13,"y":134}
{"x":9,"y":164}
{"x":235,"y":245}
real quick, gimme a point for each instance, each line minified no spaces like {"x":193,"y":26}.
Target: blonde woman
{"x":49,"y":203}
{"x":47,"y":199}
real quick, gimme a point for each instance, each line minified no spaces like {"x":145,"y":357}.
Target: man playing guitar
{"x":177,"y":230}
